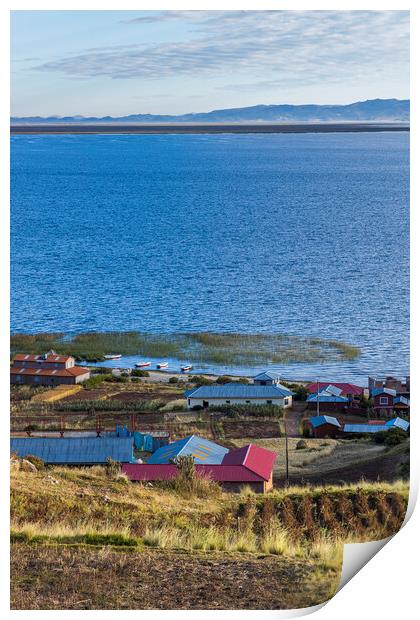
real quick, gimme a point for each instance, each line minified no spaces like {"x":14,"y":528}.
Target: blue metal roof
{"x":319,"y":420}
{"x":74,"y":451}
{"x":398,"y":423}
{"x":364,"y":428}
{"x":383,"y":390}
{"x":203,"y":451}
{"x":239,"y":390}
{"x":324,"y":397}
{"x":402,"y":399}
{"x":267,"y":375}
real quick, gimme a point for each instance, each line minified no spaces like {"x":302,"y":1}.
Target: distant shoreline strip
{"x":208,"y":129}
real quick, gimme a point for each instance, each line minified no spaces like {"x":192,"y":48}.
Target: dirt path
{"x":62,"y":577}
{"x":292,"y":418}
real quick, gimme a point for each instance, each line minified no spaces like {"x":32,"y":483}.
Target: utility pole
{"x":287,"y":450}
{"x":317,"y":397}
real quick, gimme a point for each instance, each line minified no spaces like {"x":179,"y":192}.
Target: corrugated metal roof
{"x":326,"y":397}
{"x":74,"y":371}
{"x":268,"y":375}
{"x":346,"y":388}
{"x":258,"y":460}
{"x":402,"y":399}
{"x":202,"y":450}
{"x":319,"y":420}
{"x":382,"y":390}
{"x":364,"y":428}
{"x":218,"y":473}
{"x":399,"y":423}
{"x":238,"y":390}
{"x":75,"y":451}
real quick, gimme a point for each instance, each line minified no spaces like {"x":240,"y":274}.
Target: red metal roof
{"x":47,"y":372}
{"x":162,"y":471}
{"x":255,"y":459}
{"x":54,"y":359}
{"x":346,"y":388}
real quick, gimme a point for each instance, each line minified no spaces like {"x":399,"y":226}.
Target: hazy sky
{"x":123,"y":62}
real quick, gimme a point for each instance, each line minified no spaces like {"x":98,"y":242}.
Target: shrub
{"x":200,"y":380}
{"x":96,"y":380}
{"x":173,"y":380}
{"x":301,"y":393}
{"x":393,"y":437}
{"x":140,"y":373}
{"x":301,"y":445}
{"x":223,"y":379}
{"x":35,"y":460}
{"x":188,"y":483}
{"x":114,"y":379}
{"x":113,"y":468}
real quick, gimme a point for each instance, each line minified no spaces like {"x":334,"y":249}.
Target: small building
{"x":268,"y":377}
{"x":401,"y":385}
{"x":238,"y":394}
{"x":49,"y":369}
{"x":203,"y":451}
{"x":74,"y":451}
{"x":324,"y":426}
{"x":349,"y":390}
{"x":375,"y":426}
{"x":383,"y":400}
{"x":248,"y":466}
{"x":401,"y":405}
{"x":398,"y":423}
{"x":327,"y":399}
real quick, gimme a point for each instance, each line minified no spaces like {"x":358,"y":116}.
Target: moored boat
{"x":186,"y":368}
{"x":142,"y":364}
{"x":113,"y":356}
{"x":162,"y":365}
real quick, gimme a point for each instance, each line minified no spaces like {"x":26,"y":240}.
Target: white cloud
{"x":286,"y":46}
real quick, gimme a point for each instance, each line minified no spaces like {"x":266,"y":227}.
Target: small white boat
{"x":113,"y":356}
{"x":162,"y":365}
{"x":186,"y":368}
{"x":142,"y":364}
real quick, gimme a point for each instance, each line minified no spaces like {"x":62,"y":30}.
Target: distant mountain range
{"x":391,"y":110}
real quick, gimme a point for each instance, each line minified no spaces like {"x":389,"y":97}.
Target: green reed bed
{"x":211,"y":347}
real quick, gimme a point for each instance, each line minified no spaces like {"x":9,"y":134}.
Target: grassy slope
{"x":77,"y":530}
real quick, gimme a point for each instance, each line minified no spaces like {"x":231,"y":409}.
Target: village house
{"x":386,"y":401}
{"x":74,"y":450}
{"x":323,"y":426}
{"x":268,"y":377}
{"x":329,"y":398}
{"x":202,"y":450}
{"x":349,"y":390}
{"x":376,"y":426}
{"x":400,"y":385}
{"x":49,"y":369}
{"x":238,"y":394}
{"x":249,"y":466}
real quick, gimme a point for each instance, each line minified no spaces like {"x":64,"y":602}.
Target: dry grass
{"x":321,"y":455}
{"x":304,"y":528}
{"x":62,"y":577}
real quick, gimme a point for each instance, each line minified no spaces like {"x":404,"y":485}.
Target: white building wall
{"x":217,"y":402}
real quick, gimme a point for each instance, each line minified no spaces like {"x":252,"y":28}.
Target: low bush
{"x":200,"y":380}
{"x":140,"y":373}
{"x":35,"y":460}
{"x":188,"y":483}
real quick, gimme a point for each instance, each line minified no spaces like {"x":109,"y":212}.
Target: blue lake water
{"x":305,"y":234}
